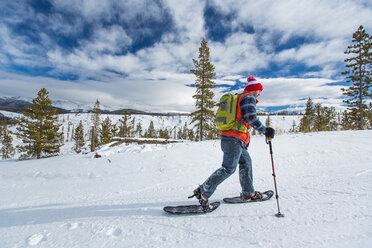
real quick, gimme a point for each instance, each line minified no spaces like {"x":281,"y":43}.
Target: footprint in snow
{"x":72,"y":226}
{"x":114,"y":232}
{"x":35,"y":239}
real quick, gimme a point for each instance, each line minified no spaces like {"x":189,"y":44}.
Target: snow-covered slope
{"x":324,"y":182}
{"x":282,"y":124}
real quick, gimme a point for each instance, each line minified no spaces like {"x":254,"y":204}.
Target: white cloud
{"x":170,"y":94}
{"x":19,"y":49}
{"x":327,"y":24}
{"x":317,"y":18}
{"x":315,"y":54}
{"x":151,"y":95}
{"x":155,"y":77}
{"x":107,"y":40}
{"x":295,"y":91}
{"x":238,"y":54}
{"x":188,"y":18}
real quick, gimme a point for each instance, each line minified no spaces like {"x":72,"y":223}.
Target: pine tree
{"x":347,"y":123}
{"x":318,"y":118}
{"x":331,"y":116}
{"x":190,"y":134}
{"x":105,"y":134}
{"x":174,"y":132}
{"x":125,"y":128}
{"x":139,"y":129}
{"x":370,"y":115}
{"x":72,"y":133}
{"x":96,"y":120}
{"x":39,"y":128}
{"x":204,"y":116}
{"x":164,"y":134}
{"x":150,"y":132}
{"x":185,"y":131}
{"x":179,"y":133}
{"x":358,"y":73}
{"x":307,"y":121}
{"x":79,"y":138}
{"x":132,"y":125}
{"x":321,"y":118}
{"x":1,"y":127}
{"x":7,"y":150}
{"x":114,"y":130}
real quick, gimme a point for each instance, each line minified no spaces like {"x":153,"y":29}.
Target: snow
{"x":73,"y":200}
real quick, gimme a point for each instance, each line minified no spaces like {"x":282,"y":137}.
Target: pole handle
{"x":268,"y":140}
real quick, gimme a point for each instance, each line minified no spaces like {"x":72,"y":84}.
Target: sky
{"x":138,"y":53}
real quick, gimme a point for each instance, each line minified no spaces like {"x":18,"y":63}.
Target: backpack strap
{"x":241,"y":120}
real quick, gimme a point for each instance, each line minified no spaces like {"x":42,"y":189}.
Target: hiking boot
{"x":202,"y":199}
{"x":253,"y":197}
{"x":197,"y":193}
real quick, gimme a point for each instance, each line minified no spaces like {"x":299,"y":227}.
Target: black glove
{"x":270,"y":132}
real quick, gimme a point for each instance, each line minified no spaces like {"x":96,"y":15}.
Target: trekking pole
{"x":279,"y":214}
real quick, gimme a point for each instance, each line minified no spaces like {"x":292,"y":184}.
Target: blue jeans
{"x":234,"y":152}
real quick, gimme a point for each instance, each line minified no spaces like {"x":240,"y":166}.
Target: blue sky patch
{"x":217,"y":24}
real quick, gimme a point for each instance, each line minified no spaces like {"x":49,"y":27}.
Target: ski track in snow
{"x":324,"y":185}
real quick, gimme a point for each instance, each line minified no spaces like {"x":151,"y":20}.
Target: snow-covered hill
{"x":324,"y":182}
{"x":282,"y":124}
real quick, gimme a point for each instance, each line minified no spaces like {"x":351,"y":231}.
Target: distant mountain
{"x":13,"y":104}
{"x":18,"y":104}
{"x":79,"y":107}
{"x":139,"y":112}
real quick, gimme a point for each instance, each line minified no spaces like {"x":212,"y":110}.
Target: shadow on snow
{"x":50,"y":213}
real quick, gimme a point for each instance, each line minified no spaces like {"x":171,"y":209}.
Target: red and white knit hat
{"x":253,"y":84}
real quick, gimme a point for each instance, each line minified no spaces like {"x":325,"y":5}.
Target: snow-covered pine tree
{"x":79,"y":137}
{"x":358,"y":73}
{"x":39,"y":129}
{"x":7,"y":150}
{"x":204,"y":116}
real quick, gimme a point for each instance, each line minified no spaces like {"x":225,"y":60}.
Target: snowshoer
{"x":234,"y":144}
